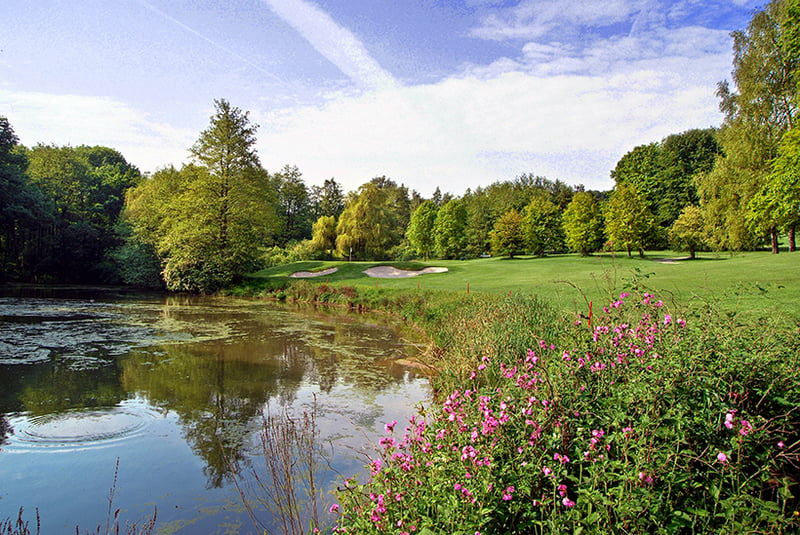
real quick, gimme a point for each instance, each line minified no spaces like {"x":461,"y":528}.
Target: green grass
{"x":744,"y":282}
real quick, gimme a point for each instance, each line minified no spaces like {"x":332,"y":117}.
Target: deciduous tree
{"x":508,"y":237}
{"x":629,"y":222}
{"x":688,"y":231}
{"x":420,"y":232}
{"x":583,"y":223}
{"x":542,"y":226}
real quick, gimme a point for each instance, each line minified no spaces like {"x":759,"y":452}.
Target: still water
{"x":175,"y":390}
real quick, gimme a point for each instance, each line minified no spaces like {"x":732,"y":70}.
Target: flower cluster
{"x":559,"y":435}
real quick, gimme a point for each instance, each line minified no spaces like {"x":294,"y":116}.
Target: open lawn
{"x":745,"y":282}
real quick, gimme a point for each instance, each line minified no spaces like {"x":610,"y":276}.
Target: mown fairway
{"x":746,"y":282}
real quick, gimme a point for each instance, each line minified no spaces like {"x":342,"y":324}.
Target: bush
{"x":639,"y":422}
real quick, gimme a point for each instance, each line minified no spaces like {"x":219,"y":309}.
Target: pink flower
{"x":390,"y":426}
{"x":746,"y":428}
{"x":567,"y":502}
{"x":721,"y":457}
{"x":667,"y":319}
{"x":508,"y":494}
{"x":781,"y":444}
{"x":334,"y":508}
{"x":547,"y":471}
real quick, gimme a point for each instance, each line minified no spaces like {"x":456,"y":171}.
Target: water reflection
{"x":124,"y":372}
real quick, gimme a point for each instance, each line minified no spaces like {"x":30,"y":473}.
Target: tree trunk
{"x":691,"y":254}
{"x":792,"y":246}
{"x":773,"y":232}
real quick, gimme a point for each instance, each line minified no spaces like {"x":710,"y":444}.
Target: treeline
{"x":84,"y":214}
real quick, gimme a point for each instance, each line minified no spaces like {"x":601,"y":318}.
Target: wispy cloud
{"x":336,"y":43}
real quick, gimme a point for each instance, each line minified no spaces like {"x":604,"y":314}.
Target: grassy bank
{"x":755,"y":282}
{"x":668,"y":414}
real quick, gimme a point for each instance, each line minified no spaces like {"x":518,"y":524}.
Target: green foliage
{"x":777,"y":204}
{"x":449,"y":229}
{"x":25,"y":217}
{"x":208,"y":222}
{"x":420,"y":232}
{"x":323,"y":234}
{"x":629,"y":222}
{"x":664,"y":172}
{"x":327,"y":199}
{"x":757,"y":115}
{"x":294,"y":205}
{"x":508,"y":237}
{"x":583,"y":224}
{"x":688,"y":231}
{"x":374,"y":220}
{"x":85,"y":187}
{"x":543,"y":227}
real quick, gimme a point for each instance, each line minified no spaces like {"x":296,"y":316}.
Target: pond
{"x":174,"y":390}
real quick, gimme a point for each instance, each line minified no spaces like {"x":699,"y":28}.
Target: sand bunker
{"x":310,"y":274}
{"x":390,"y":272}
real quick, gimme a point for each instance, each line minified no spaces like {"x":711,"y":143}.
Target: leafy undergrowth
{"x":640,"y":422}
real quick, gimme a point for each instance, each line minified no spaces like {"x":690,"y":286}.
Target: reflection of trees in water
{"x":218,"y":388}
{"x":57,"y":387}
{"x":5,"y":429}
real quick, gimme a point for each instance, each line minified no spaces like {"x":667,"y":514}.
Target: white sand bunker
{"x":310,"y":274}
{"x":390,"y":272}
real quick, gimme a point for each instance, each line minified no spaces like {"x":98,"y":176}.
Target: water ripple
{"x":82,"y":429}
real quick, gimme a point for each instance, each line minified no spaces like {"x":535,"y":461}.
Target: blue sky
{"x":456,"y":94}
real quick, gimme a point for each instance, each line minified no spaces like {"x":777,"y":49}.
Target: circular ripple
{"x":83,"y":428}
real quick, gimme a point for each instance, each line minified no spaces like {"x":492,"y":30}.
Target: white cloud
{"x":336,"y":43}
{"x":470,"y":130}
{"x":82,"y":120}
{"x":563,"y":109}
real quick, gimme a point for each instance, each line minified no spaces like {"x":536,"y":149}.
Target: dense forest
{"x":86,"y":215}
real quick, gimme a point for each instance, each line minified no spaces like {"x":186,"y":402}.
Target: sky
{"x":453,"y":94}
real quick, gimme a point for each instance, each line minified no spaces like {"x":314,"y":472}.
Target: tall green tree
{"x":629,"y":222}
{"x":508,"y":237}
{"x":85,"y":187}
{"x":450,"y":229}
{"x":327,"y":199}
{"x":26,"y":220}
{"x":542,"y":226}
{"x":365,"y":227}
{"x":777,"y":204}
{"x":688,"y":231}
{"x":758,"y":112}
{"x":664,"y":173}
{"x":420,"y":231}
{"x":220,"y":210}
{"x":323,"y":234}
{"x":294,"y":205}
{"x":583,"y":223}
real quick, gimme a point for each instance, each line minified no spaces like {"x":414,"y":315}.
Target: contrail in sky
{"x":213,"y":43}
{"x":338,"y":44}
